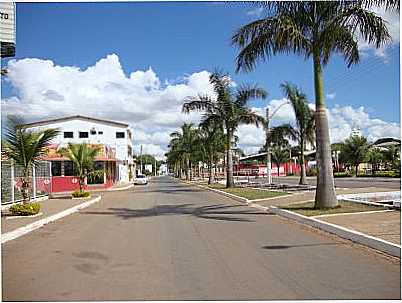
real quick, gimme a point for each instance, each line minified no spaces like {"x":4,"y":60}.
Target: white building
{"x":116,"y":137}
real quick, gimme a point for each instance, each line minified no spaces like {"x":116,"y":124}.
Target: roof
{"x":386,"y":142}
{"x":50,"y":121}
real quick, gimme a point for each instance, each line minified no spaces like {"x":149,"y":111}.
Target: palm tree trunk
{"x":303,"y":180}
{"x":25,"y":186}
{"x":357,"y":169}
{"x":229,"y":161}
{"x":325,"y":196}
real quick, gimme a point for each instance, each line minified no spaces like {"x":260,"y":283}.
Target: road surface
{"x":169,"y":241}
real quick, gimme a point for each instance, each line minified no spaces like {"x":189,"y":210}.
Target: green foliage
{"x":25,"y":148}
{"x":354,"y":151}
{"x":279,"y":155}
{"x":228,"y":110}
{"x":312,"y":172}
{"x":387,"y":174}
{"x":83,"y":157}
{"x":342,"y":174}
{"x":25,"y":209}
{"x":81,"y":194}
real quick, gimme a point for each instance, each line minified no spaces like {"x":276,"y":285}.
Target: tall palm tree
{"x":25,"y":148}
{"x":303,"y":131}
{"x":212,"y":144}
{"x":184,"y":143}
{"x":83,"y":158}
{"x":313,"y":29}
{"x":229,"y":109}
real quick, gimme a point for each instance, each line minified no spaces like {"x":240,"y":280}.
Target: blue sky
{"x":179,"y":39}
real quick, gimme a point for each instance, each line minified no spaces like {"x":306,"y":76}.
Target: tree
{"x":375,"y":158}
{"x":183,"y":145}
{"x":354,"y":151}
{"x":212,"y":144}
{"x":25,"y":148}
{"x":316,"y":30}
{"x":83,"y":158}
{"x":229,"y":109}
{"x":280,"y":154}
{"x":303,"y":131}
{"x":392,"y":157}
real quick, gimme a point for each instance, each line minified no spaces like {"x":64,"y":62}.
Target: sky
{"x":136,"y":62}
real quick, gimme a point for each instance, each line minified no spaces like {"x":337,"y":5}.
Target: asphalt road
{"x":169,"y":241}
{"x":353,"y":182}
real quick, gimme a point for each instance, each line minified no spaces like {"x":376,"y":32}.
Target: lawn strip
{"x":307,"y":209}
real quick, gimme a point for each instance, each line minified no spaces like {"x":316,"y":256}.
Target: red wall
{"x":70,"y":183}
{"x":257,"y":169}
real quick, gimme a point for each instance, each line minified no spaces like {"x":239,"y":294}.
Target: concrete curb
{"x":121,"y":188}
{"x":237,"y":198}
{"x":38,"y":224}
{"x":6,"y":206}
{"x":355,"y":236}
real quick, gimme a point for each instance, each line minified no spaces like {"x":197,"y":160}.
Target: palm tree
{"x":303,"y":132}
{"x":354,"y":151}
{"x":313,"y":29}
{"x":25,"y":148}
{"x":375,"y":158}
{"x":280,"y":154}
{"x":184,"y":143}
{"x":212,"y":143}
{"x":83,"y":158}
{"x":228,"y":109}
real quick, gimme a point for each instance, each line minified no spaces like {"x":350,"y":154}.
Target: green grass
{"x":248,"y":193}
{"x":307,"y":209}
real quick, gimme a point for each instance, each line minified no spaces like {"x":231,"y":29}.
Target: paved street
{"x":169,"y":241}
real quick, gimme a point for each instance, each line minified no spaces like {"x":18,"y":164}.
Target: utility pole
{"x":141,"y":160}
{"x":269,"y":173}
{"x":155,"y":167}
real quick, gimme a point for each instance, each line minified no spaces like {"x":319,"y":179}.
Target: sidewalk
{"x":310,"y":195}
{"x":116,"y":187}
{"x":48,"y":208}
{"x":384,"y":225}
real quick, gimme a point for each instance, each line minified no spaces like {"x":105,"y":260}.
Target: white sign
{"x":7,"y":22}
{"x":148,"y":167}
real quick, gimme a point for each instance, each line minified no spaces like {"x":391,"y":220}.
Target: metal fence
{"x":39,"y":178}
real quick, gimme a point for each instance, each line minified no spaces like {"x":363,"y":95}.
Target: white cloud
{"x":331,"y":96}
{"x":104,"y":91}
{"x":152,"y":109}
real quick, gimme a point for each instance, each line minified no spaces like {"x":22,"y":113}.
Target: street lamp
{"x":268,"y":116}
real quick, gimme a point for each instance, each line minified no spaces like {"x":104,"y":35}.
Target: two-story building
{"x":115,"y":157}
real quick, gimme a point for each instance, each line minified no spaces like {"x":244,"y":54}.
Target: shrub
{"x":311,"y":172}
{"x":81,"y":194}
{"x":27,"y":209}
{"x":342,"y":174}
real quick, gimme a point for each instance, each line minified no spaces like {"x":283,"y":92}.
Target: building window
{"x":100,"y":132}
{"x":68,"y":168}
{"x":56,"y":168}
{"x":83,"y":134}
{"x":119,"y":135}
{"x":68,"y":135}
{"x":93,"y":131}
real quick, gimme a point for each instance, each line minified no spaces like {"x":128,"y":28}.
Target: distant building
{"x":355,"y":132}
{"x":113,"y":138}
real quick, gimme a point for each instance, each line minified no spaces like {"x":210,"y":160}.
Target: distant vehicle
{"x":141,"y":179}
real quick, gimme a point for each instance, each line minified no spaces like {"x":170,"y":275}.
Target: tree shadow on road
{"x":277,"y":247}
{"x":214,"y":212}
